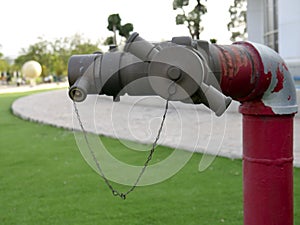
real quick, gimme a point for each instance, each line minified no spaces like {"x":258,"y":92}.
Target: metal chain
{"x":115,"y":192}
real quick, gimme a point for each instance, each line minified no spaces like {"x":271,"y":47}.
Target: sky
{"x":23,"y":21}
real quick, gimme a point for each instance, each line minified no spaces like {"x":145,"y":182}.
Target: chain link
{"x":115,"y":192}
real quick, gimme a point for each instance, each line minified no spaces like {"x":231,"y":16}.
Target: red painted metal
{"x":251,"y":72}
{"x":242,"y":68}
{"x":254,"y":77}
{"x":268,"y":169}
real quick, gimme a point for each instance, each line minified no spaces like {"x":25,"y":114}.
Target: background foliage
{"x":114,"y":25}
{"x":238,"y":20}
{"x":193,"y":18}
{"x":54,"y":55}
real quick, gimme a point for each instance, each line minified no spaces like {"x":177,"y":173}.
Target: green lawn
{"x":45,"y":180}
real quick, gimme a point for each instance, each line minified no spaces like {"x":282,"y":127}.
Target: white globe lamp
{"x":31,"y":70}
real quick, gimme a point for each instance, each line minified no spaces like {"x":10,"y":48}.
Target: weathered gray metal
{"x":179,"y":70}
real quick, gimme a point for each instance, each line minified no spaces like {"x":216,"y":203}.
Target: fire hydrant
{"x":196,"y":72}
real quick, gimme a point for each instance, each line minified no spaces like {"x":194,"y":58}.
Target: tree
{"x":238,"y":24}
{"x":114,"y":25}
{"x":191,"y":19}
{"x":125,"y":30}
{"x":4,"y":63}
{"x":54,"y":56}
{"x":64,"y":48}
{"x":39,"y":52}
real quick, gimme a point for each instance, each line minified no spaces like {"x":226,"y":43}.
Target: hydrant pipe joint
{"x":281,"y":94}
{"x":256,"y":76}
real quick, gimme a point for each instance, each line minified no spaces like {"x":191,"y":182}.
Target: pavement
{"x":26,"y":88}
{"x":136,"y":120}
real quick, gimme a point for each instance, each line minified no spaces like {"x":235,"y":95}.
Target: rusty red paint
{"x":280,"y":79}
{"x":285,"y":66}
{"x":256,"y":107}
{"x":227,"y":62}
{"x":237,"y":69}
{"x":243,"y":76}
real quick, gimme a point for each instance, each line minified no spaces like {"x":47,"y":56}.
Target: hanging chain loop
{"x":99,"y":168}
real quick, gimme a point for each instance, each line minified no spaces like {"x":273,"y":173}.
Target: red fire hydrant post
{"x":268,"y":168}
{"x":258,"y":78}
